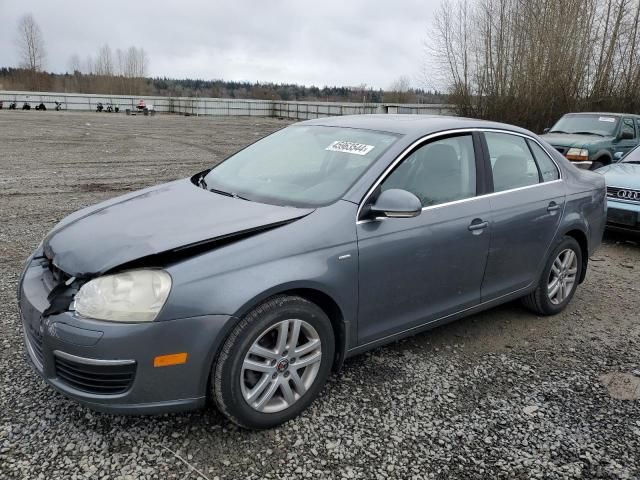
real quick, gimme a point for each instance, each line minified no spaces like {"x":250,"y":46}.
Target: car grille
{"x":623,"y":194}
{"x":625,"y":218}
{"x":35,"y":342}
{"x":562,"y":150}
{"x":97,"y":379}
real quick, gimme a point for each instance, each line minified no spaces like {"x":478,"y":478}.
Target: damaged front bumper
{"x":109,"y":366}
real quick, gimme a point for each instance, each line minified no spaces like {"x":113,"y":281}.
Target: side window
{"x":548,"y":169}
{"x":438,"y":172}
{"x":627,"y":126}
{"x":511,"y":161}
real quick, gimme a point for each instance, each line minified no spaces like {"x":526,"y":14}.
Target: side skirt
{"x":440,"y":321}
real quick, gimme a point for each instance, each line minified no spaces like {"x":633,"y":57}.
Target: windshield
{"x":603,"y":125}
{"x":300,"y":165}
{"x":632,"y":157}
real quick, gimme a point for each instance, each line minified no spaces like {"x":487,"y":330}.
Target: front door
{"x":415,"y":270}
{"x":627,"y":137}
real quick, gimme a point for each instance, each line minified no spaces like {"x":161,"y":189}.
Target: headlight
{"x":578,"y":154}
{"x":133,"y":296}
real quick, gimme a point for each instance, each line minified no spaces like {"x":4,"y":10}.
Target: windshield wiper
{"x":202,"y":183}
{"x":557,"y":131}
{"x":227,"y":194}
{"x":588,"y":133}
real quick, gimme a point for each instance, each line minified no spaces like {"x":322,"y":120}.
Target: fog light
{"x":168,"y":360}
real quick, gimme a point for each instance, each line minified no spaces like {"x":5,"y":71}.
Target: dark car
{"x":593,"y":140}
{"x":623,"y":193}
{"x":249,"y":282}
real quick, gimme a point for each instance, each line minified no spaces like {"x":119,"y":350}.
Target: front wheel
{"x":274,"y":363}
{"x":559,"y":279}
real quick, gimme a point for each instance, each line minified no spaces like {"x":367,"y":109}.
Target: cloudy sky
{"x":319,"y":42}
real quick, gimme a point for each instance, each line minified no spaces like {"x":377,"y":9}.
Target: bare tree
{"x":143,"y":62}
{"x":120,"y":62}
{"x":135,"y":68}
{"x":529,"y":61}
{"x":30,"y":47}
{"x":104,"y":65}
{"x":74,"y":63}
{"x":89,"y":65}
{"x":104,"y":69}
{"x":399,"y":91}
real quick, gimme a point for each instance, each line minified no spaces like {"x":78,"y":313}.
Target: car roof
{"x":609,"y":114}
{"x":409,"y":124}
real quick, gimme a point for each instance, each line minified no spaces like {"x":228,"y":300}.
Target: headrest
{"x":441,"y":158}
{"x":510,"y":165}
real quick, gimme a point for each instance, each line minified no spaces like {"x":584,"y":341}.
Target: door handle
{"x":553,"y":207}
{"x":478,"y":224}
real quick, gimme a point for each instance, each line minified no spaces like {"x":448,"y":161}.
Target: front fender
{"x":317,"y":253}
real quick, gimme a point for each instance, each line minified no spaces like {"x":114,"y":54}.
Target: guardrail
{"x":217,"y":106}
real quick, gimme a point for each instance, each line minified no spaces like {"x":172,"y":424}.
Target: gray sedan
{"x":249,"y":282}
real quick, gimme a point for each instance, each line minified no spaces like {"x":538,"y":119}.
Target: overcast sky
{"x":311,"y":42}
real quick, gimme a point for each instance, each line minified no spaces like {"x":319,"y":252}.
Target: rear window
{"x":512,"y":163}
{"x":548,"y":169}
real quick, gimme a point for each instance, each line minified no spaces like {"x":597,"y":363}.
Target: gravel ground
{"x":503,"y":394}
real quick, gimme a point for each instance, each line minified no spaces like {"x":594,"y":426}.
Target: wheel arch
{"x":581,"y":237}
{"x":603,"y":156}
{"x":318,"y":296}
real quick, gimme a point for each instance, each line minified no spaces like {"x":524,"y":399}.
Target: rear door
{"x":526,"y":207}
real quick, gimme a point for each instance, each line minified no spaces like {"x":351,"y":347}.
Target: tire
{"x":540,"y":301}
{"x":242,"y":393}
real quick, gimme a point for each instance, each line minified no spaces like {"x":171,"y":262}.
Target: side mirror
{"x":626,"y":135}
{"x":396,"y":203}
{"x":546,"y":130}
{"x":618,"y":156}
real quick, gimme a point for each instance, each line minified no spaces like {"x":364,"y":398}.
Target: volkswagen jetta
{"x":250,"y":281}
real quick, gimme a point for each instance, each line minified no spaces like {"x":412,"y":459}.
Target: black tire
{"x":226,"y":373}
{"x":596,"y":165}
{"x":538,"y":301}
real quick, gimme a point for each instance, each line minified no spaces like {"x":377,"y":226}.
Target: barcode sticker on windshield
{"x":607,"y":119}
{"x":350,"y":147}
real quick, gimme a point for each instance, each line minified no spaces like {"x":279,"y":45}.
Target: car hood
{"x":572,"y":140}
{"x":625,"y":175}
{"x":153,"y":221}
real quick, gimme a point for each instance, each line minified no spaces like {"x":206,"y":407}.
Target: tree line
{"x":528,"y":62}
{"x":79,"y":82}
{"x":125,"y":72}
{"x":525,"y":62}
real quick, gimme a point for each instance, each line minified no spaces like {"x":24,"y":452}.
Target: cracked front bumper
{"x":108,"y":366}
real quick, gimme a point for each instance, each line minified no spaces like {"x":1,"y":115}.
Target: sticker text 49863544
{"x":350,"y":147}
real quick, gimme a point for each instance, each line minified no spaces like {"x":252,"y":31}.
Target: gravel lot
{"x":503,"y":394}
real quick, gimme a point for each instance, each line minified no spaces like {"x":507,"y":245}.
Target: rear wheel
{"x":559,"y":279}
{"x":274,"y":363}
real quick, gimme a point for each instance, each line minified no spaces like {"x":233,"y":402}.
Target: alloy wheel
{"x":281,"y":365}
{"x":562,"y":277}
